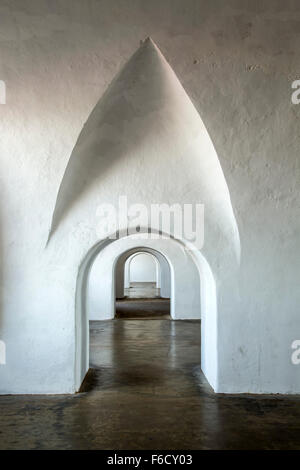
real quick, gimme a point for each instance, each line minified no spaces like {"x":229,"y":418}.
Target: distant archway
{"x":182,"y":258}
{"x":162,"y":266}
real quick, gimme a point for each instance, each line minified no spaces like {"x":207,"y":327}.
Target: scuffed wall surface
{"x":236,"y":60}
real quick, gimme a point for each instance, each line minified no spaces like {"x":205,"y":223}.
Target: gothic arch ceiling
{"x":146,"y":132}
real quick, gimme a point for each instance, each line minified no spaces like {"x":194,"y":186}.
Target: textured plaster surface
{"x":98,"y":295}
{"x":164,"y":275}
{"x":236,"y":61}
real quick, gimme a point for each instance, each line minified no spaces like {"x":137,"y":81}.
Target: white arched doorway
{"x":141,"y":267}
{"x":184,"y":277}
{"x":138,"y":276}
{"x":151,"y":143}
{"x":163,"y":274}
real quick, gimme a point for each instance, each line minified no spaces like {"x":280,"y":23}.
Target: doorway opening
{"x":139,"y":279}
{"x":141,"y":345}
{"x":142,"y":276}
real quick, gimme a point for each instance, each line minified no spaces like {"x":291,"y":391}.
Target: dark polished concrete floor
{"x":142,"y":300}
{"x":142,"y":290}
{"x":145,"y":390}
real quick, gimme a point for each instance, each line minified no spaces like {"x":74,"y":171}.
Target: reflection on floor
{"x":145,"y":390}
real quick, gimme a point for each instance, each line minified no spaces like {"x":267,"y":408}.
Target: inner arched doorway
{"x":143,"y":284}
{"x":162,"y":274}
